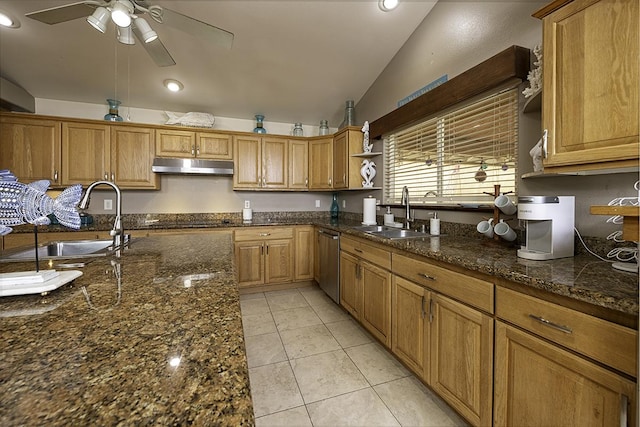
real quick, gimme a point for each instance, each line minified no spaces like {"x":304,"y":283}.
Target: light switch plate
{"x":108,"y":204}
{"x":317,"y":203}
{"x":247,"y":204}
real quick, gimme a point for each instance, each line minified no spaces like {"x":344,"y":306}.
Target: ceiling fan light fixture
{"x":125,"y":35}
{"x":121,"y":13}
{"x":98,"y":19}
{"x":173,"y":85}
{"x":146,"y":32}
{"x":387,"y":5}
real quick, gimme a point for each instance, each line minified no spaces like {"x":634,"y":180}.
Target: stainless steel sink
{"x":390,"y":232}
{"x":60,"y":250}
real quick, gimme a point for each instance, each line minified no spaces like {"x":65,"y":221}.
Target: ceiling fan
{"x":128,"y":17}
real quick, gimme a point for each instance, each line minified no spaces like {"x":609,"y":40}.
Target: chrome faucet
{"x":405,"y":202}
{"x":117,"y":231}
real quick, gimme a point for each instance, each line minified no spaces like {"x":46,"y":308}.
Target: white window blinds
{"x":456,"y":157}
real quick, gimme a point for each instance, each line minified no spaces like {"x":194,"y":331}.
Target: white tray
{"x":19,"y":286}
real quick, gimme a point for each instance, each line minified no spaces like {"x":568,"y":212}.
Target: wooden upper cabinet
{"x":85,"y":153}
{"x":132,"y":152}
{"x":298,"y":165}
{"x":30,"y":148}
{"x":590,"y":85}
{"x":187,"y":143}
{"x":321,"y":164}
{"x":340,"y":160}
{"x":175,"y":143}
{"x":260,"y":162}
{"x":214,"y":146}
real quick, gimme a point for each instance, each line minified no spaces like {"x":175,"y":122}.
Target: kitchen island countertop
{"x":152,"y":337}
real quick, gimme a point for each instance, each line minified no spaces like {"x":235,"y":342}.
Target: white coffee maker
{"x":549,"y":223}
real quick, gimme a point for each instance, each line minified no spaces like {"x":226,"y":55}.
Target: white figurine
{"x":368,"y":172}
{"x":366,"y":147}
{"x":536,"y":155}
{"x":535,"y":75}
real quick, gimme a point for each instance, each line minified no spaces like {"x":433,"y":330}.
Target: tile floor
{"x":311,"y":364}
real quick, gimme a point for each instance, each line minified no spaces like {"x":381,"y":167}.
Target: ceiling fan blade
{"x":69,"y":12}
{"x":197,"y":28}
{"x":156,"y":50}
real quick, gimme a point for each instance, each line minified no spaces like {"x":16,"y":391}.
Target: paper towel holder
{"x":369,"y":211}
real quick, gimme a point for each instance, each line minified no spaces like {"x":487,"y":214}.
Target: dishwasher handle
{"x":327,"y":234}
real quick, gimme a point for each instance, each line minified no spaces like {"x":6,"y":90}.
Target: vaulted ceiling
{"x":292,"y":60}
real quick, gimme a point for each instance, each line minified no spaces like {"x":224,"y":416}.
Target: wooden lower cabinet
{"x":304,"y":237}
{"x":540,"y":384}
{"x":365,"y":292}
{"x":462,"y":358}
{"x":410,"y":325}
{"x":264,"y":262}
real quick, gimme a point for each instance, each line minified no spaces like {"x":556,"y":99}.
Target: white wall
{"x":454,"y":37}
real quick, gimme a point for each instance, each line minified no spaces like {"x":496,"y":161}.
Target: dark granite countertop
{"x":153,"y":337}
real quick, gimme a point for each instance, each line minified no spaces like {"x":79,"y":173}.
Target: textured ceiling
{"x":293,"y":61}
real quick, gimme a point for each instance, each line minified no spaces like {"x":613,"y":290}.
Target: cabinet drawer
{"x":475,"y":292}
{"x":607,"y":342}
{"x":374,"y":255}
{"x":263,"y":233}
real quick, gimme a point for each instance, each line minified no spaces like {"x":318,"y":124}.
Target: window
{"x":456,"y":157}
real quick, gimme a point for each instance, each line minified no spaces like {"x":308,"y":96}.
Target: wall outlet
{"x":344,"y":204}
{"x":247,"y":204}
{"x":317,"y":203}
{"x":108,"y":204}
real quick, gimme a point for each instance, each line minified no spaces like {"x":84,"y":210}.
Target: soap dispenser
{"x":434,"y":225}
{"x":389,"y":219}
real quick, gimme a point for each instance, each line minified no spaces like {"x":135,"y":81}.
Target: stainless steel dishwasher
{"x":329,"y":253}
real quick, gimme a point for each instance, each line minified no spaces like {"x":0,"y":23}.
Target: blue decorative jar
{"x":335,"y":211}
{"x":259,"y":121}
{"x":113,"y":111}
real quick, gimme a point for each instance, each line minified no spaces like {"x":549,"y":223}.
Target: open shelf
{"x":630,"y":222}
{"x":372,"y":154}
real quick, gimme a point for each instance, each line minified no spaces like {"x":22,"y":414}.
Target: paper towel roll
{"x":369,"y":211}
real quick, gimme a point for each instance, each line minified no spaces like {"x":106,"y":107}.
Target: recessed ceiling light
{"x":387,"y":5}
{"x":8,"y":20}
{"x":173,"y":85}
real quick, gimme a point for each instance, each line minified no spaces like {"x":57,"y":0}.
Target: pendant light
{"x":98,"y":19}
{"x":125,"y":35}
{"x":121,"y":13}
{"x":146,"y":32}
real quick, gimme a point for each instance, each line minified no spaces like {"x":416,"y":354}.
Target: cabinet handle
{"x":262,"y":250}
{"x":264,"y":182}
{"x":422,"y":312}
{"x":267,"y":249}
{"x":55,"y":176}
{"x":357,"y":270}
{"x":264,"y":234}
{"x":426,"y":276}
{"x":193,"y":150}
{"x":357,"y":250}
{"x":330,"y":181}
{"x":113,"y":177}
{"x":344,"y":177}
{"x":546,"y":322}
{"x":197,"y":151}
{"x":306,"y":182}
{"x":430,"y":310}
{"x":545,"y":135}
{"x":106,"y":176}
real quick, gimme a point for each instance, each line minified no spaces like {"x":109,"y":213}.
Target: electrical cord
{"x":589,"y":250}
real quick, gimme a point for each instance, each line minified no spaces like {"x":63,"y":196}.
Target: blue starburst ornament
{"x":29,"y":204}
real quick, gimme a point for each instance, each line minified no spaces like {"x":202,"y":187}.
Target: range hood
{"x":192,"y":166}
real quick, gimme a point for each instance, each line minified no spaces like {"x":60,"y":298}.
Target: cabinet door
{"x":350,"y":292}
{"x":340,"y":160}
{"x":275,"y":155}
{"x":321,"y":164}
{"x":278,"y":261}
{"x":213,"y":146}
{"x":30,"y":148}
{"x":249,"y":263}
{"x":462,"y":358}
{"x":304,"y":254}
{"x":298,"y":165}
{"x":591,"y":91}
{"x":85,"y":153}
{"x":376,"y":301}
{"x":132,"y":151}
{"x":247,"y":160}
{"x":539,"y":384}
{"x":175,"y":143}
{"x":410,"y":338}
